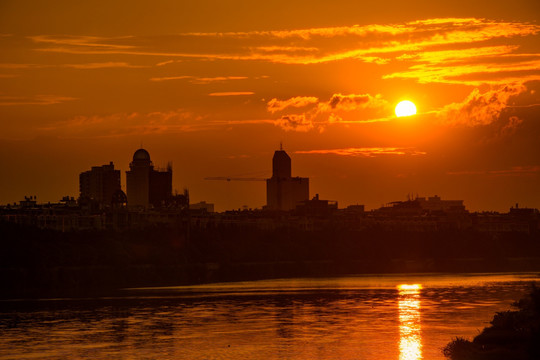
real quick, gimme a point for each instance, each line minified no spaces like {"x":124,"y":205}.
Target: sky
{"x":215,"y":86}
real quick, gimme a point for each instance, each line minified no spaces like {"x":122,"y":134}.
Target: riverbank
{"x":511,"y":335}
{"x":41,"y":263}
{"x":106,"y":280}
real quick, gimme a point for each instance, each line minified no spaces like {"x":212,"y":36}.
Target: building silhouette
{"x":99,"y":184}
{"x":284,"y":192}
{"x":147,"y":187}
{"x":434,"y":203}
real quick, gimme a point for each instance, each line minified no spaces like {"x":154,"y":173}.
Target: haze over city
{"x":214,"y":87}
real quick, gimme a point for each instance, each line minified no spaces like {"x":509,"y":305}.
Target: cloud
{"x":83,"y":41}
{"x":20,"y":66}
{"x":140,"y":123}
{"x":352,"y":102}
{"x":340,"y":108}
{"x":102,"y":65}
{"x":162,"y":63}
{"x":294,"y":123}
{"x":96,"y":65}
{"x":439,"y":56}
{"x":480,"y":108}
{"x":469,"y":51}
{"x":231,"y":93}
{"x":511,"y":126}
{"x":286,"y":49}
{"x":123,"y":124}
{"x":33,"y":100}
{"x":200,"y":80}
{"x":337,"y":102}
{"x":491,"y":71}
{"x":365,"y":152}
{"x":514,"y":171}
{"x":306,"y":34}
{"x":167,"y":78}
{"x":208,"y":80}
{"x":374,"y":43}
{"x":275,"y":105}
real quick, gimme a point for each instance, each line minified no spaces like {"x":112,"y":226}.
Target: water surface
{"x":405,"y":317}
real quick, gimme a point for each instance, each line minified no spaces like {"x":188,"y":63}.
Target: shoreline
{"x":80,"y":282}
{"x":38,"y":263}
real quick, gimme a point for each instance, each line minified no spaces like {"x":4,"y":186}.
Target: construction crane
{"x":234,"y":178}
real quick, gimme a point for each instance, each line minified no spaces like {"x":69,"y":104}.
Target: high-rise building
{"x":145,"y":186}
{"x":284,"y":192}
{"x":99,"y":184}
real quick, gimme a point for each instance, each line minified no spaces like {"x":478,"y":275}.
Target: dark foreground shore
{"x":39,"y":263}
{"x":511,"y":335}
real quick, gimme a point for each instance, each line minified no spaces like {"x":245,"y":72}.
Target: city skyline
{"x":151,"y":190}
{"x":216,"y":87}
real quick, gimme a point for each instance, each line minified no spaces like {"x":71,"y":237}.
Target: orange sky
{"x":214,"y":86}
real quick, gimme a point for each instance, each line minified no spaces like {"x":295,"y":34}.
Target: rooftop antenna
{"x":280,"y":146}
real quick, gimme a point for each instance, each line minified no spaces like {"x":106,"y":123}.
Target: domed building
{"x":141,"y":155}
{"x":146,"y":186}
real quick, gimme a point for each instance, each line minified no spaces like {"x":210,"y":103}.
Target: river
{"x":402,"y":317}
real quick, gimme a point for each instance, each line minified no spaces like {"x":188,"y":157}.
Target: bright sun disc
{"x":405,"y":108}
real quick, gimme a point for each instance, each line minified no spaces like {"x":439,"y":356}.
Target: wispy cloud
{"x":20,"y":66}
{"x":425,"y":47}
{"x":140,"y":123}
{"x":492,"y":71}
{"x":83,"y":41}
{"x":163,"y":63}
{"x":102,"y":65}
{"x":231,"y":93}
{"x":326,"y":32}
{"x":6,"y":100}
{"x":94,"y":65}
{"x":438,"y":56}
{"x":286,"y":49}
{"x":365,"y":152}
{"x":275,"y":105}
{"x":167,"y":78}
{"x":514,"y":171}
{"x":123,"y":124}
{"x":199,"y":80}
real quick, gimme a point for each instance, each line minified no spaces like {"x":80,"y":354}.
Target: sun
{"x":405,"y":108}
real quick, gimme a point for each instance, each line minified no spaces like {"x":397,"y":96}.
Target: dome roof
{"x":141,"y":154}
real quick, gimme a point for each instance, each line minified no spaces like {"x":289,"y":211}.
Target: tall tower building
{"x":281,"y":165}
{"x":99,"y":184}
{"x":284,"y":192}
{"x":145,"y":186}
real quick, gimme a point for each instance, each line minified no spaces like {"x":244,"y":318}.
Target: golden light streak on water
{"x":410,"y":343}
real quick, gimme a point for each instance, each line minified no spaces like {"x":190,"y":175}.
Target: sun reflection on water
{"x":410,"y":344}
